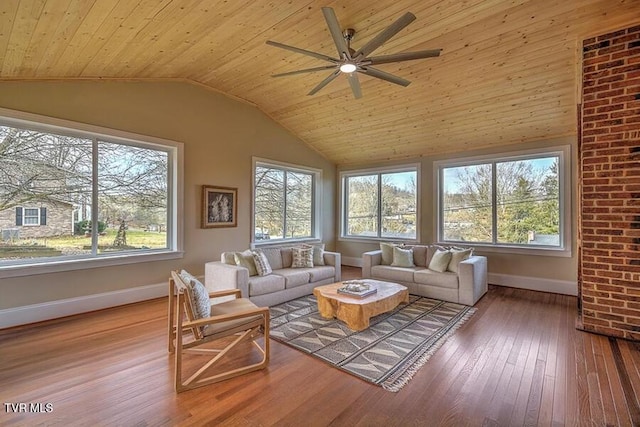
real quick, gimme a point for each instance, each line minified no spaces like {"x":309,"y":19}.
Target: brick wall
{"x":609,"y":151}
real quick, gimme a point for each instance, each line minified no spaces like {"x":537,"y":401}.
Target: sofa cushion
{"x":458,"y":255}
{"x":432,"y":278}
{"x":420,"y":255}
{"x":318,"y":253}
{"x":274,"y":257}
{"x":260,"y":285}
{"x":287,"y":257}
{"x":262,"y":263}
{"x":228,"y":258}
{"x":302,"y":257}
{"x":440,"y":261}
{"x":387,"y":272}
{"x":402,"y":257}
{"x":294,"y":276}
{"x":245,"y":259}
{"x":387,"y":252}
{"x":321,"y":273}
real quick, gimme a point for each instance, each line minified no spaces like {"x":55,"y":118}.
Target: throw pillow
{"x":387,"y":252}
{"x":458,"y":255}
{"x":302,"y":257}
{"x":262,"y":263}
{"x":199,"y":295}
{"x":402,"y":257}
{"x":245,"y":259}
{"x":318,"y":253}
{"x":440,"y":261}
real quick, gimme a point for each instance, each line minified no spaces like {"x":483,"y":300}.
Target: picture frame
{"x":219,"y":206}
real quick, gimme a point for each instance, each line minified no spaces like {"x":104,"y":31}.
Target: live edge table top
{"x":355,"y":311}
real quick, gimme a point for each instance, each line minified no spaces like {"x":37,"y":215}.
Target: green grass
{"x":135,"y":239}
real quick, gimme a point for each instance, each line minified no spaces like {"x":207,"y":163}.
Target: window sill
{"x":377,"y":240}
{"x":57,"y":266}
{"x":517,"y":250}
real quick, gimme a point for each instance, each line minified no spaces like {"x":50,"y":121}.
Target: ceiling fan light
{"x":348,"y":67}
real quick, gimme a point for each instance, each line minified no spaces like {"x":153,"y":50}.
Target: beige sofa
{"x":466,"y":286}
{"x":283,"y":284}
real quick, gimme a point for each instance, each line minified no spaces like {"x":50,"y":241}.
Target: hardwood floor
{"x":518,"y":361}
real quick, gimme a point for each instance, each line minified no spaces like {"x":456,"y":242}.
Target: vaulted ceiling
{"x":508,"y":71}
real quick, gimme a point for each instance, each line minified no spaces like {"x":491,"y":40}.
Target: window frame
{"x":344,"y":175}
{"x":175,"y":151}
{"x":563,"y":152}
{"x":24,"y":217}
{"x":316,"y":201}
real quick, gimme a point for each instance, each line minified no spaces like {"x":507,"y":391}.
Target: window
{"x":505,"y":201}
{"x":380,"y":204}
{"x":78,"y":176}
{"x":31,"y":216}
{"x":285,"y":202}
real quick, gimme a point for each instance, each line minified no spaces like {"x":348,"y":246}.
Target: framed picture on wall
{"x":219,"y":206}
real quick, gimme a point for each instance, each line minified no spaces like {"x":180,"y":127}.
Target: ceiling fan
{"x":350,"y":61}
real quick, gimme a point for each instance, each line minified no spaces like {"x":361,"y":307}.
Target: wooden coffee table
{"x":354,"y":311}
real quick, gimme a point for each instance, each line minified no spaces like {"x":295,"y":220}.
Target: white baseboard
{"x":565,"y":287}
{"x":352,"y":261}
{"x":54,"y":309}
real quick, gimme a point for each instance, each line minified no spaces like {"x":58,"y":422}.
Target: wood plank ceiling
{"x":508,"y":71}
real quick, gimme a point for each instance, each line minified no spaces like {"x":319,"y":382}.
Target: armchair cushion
{"x":232,"y":307}
{"x":199,"y":295}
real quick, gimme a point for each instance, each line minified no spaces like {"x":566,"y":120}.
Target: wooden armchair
{"x":194,"y":323}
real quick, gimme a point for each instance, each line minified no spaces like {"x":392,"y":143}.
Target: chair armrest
{"x":472,"y":279}
{"x":219,"y":277}
{"x":369,"y":259}
{"x":262,"y":311}
{"x":216,"y":294}
{"x":334,"y":259}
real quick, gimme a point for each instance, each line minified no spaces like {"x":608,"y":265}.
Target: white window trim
{"x":564,"y":175}
{"x":176,"y":177}
{"x":24,"y":216}
{"x":410,"y":167}
{"x":316,"y":226}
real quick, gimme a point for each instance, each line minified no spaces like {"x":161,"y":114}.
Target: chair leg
{"x":171,"y":317}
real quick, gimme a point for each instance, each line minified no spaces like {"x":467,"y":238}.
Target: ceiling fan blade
{"x":385,"y":35}
{"x":336,"y":32}
{"x":384,"y":76}
{"x":306,"y":70}
{"x":407,"y":56}
{"x":303,"y":51}
{"x":325,"y":82}
{"x":355,"y":85}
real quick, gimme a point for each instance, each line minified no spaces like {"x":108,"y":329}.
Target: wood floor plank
{"x":519,"y":360}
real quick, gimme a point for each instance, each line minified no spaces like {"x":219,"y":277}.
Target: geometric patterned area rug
{"x":388,"y":353}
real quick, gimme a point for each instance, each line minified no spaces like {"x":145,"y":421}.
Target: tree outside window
{"x":284,"y":202}
{"x":380,"y":205}
{"x":512,"y":202}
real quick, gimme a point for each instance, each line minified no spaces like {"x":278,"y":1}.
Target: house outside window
{"x":380,"y":204}
{"x":519,"y":200}
{"x":286,"y":202}
{"x":124,"y":184}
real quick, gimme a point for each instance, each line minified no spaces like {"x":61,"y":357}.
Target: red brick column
{"x":609,"y":152}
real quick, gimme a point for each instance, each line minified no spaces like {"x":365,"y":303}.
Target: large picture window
{"x":285,"y":201}
{"x":380,"y":204}
{"x":505,"y":201}
{"x":71,"y":194}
